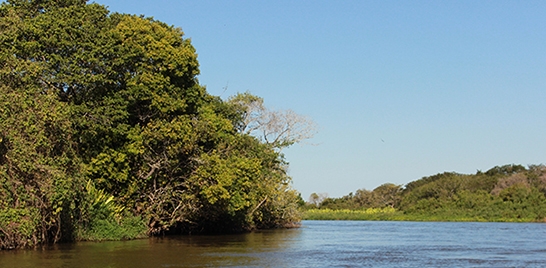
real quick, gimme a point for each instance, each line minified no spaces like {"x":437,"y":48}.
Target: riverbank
{"x":391,"y":214}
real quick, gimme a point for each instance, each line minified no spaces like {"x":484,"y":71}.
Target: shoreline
{"x":396,"y":215}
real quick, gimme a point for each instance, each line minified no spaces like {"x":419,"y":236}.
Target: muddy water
{"x":316,"y":244}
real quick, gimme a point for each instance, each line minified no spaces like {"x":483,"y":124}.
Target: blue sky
{"x":399,"y":89}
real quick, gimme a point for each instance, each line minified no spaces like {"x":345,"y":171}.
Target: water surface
{"x":316,"y":244}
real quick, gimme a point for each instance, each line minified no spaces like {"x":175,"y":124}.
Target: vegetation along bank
{"x":105,"y":133}
{"x":503,"y":193}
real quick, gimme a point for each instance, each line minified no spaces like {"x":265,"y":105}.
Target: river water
{"x":315,"y":244}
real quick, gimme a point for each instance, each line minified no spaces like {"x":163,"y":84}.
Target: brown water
{"x":316,"y":244}
{"x":177,"y":251}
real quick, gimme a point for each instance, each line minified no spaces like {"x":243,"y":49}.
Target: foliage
{"x":103,"y":219}
{"x":505,"y":193}
{"x":385,"y":195}
{"x":101,"y":229}
{"x":38,"y":166}
{"x":349,"y":214}
{"x":104,"y":128}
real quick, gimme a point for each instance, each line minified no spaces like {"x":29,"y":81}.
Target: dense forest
{"x":106,"y":133}
{"x":503,"y":193}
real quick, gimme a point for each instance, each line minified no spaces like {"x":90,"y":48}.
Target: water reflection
{"x":180,"y":251}
{"x":316,"y":244}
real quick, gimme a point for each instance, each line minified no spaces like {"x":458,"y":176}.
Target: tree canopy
{"x":102,"y":119}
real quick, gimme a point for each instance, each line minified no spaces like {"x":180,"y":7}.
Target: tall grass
{"x":348,"y":214}
{"x":391,"y":214}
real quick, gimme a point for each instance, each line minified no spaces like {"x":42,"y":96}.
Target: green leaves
{"x":38,"y":166}
{"x":103,"y":111}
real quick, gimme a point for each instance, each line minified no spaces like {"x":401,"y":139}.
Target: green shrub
{"x":17,"y":227}
{"x":109,"y":229}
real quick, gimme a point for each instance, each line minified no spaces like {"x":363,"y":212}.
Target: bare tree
{"x":515,"y":179}
{"x":278,"y":128}
{"x":317,"y":199}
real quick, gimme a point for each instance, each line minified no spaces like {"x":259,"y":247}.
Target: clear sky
{"x":400,"y":89}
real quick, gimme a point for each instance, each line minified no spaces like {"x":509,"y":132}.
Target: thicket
{"x":105,"y":133}
{"x":503,"y":193}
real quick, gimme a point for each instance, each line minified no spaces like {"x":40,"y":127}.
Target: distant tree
{"x":505,"y":170}
{"x":518,"y":179}
{"x":317,"y":199}
{"x":388,"y":194}
{"x":506,"y":193}
{"x":537,"y":177}
{"x":429,"y":179}
{"x":365,"y":198}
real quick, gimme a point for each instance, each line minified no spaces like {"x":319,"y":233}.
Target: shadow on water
{"x":249,"y":249}
{"x":316,"y":244}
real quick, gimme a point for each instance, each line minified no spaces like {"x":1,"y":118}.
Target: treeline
{"x":503,"y":193}
{"x":105,"y":133}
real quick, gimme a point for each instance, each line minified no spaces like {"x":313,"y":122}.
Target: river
{"x":315,"y":244}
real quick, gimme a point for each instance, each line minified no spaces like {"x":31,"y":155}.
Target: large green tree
{"x":109,"y":105}
{"x":39,"y":166}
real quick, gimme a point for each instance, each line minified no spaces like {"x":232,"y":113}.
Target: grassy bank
{"x":369,"y":214}
{"x":390,"y":214}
